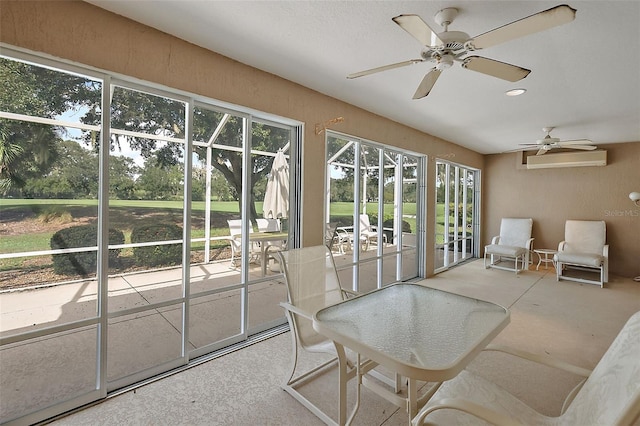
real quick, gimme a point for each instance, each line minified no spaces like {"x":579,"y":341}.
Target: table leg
{"x":539,"y":261}
{"x":412,"y":399}
{"x":263,"y":253}
{"x":342,"y":385}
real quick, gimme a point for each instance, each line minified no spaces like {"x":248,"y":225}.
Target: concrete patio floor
{"x":570,"y":321}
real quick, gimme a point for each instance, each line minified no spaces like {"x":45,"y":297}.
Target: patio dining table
{"x":421,"y":333}
{"x":263,"y":238}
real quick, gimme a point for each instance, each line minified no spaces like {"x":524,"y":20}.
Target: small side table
{"x":545,"y":256}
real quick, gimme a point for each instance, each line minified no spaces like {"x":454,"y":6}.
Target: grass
{"x":125,"y":214}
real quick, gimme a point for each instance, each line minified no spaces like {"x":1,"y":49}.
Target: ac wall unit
{"x":567,"y":159}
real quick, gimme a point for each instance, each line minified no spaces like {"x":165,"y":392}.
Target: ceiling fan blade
{"x":495,"y":68}
{"x":420,"y":30}
{"x":582,"y":147}
{"x":427,"y":83}
{"x":532,"y":24}
{"x":385,"y":68}
{"x":575,"y":142}
{"x":543,"y":150}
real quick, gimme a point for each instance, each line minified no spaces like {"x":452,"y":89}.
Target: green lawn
{"x":125,"y":213}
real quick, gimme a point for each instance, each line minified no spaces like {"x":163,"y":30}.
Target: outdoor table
{"x":263,"y":237}
{"x":418,"y":332}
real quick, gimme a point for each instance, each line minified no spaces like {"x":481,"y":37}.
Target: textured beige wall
{"x":83,"y":33}
{"x":551,"y":196}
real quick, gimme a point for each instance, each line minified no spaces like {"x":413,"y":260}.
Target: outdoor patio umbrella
{"x":276,"y":197}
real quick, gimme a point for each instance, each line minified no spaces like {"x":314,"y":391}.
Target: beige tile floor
{"x":571,"y":321}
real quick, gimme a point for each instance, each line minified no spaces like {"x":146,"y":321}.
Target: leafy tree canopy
{"x":30,"y":150}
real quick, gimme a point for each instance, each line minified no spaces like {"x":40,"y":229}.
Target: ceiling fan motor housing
{"x":453,"y":40}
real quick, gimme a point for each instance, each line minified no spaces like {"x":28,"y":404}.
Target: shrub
{"x":170,"y":254}
{"x":82,"y":263}
{"x":389,"y":223}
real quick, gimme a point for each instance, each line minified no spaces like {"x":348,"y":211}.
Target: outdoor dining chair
{"x":235,"y":231}
{"x":312,"y":284}
{"x":609,"y":395}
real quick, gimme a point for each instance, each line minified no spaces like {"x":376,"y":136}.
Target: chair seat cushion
{"x":584,"y":259}
{"x":503,"y":250}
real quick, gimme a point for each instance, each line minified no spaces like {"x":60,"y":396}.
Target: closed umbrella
{"x":276,"y":197}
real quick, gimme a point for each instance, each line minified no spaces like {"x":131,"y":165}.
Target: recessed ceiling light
{"x":515,"y":92}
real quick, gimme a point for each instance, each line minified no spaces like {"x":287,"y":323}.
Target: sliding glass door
{"x":372,"y":210}
{"x":136,"y":231}
{"x":457,"y":218}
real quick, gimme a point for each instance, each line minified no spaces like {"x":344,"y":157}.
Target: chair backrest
{"x":515,"y":232}
{"x":365,"y":225}
{"x":611,"y":394}
{"x":330,"y":230}
{"x":235,"y":228}
{"x":268,"y":225}
{"x":312,"y":283}
{"x":585,"y":236}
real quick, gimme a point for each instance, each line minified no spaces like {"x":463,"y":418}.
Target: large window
{"x":373,"y":219}
{"x":457,"y":221}
{"x":134,"y":232}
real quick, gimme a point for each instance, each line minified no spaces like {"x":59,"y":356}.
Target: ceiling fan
{"x":448,"y":46}
{"x":548,"y":143}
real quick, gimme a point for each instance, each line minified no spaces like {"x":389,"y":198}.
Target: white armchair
{"x":584,"y":247}
{"x":513,"y":243}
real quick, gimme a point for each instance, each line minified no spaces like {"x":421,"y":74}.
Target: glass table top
{"x":417,"y":331}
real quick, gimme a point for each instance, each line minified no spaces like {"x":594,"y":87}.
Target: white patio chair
{"x":235,"y":231}
{"x":268,"y":225}
{"x":331,"y":235}
{"x":312,"y":284}
{"x":271,"y":225}
{"x":368,"y":232}
{"x":513,"y":243}
{"x":584,"y":247}
{"x":610,"y":394}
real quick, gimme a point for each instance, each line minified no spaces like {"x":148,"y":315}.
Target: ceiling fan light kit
{"x":446,"y":46}
{"x":515,"y":92}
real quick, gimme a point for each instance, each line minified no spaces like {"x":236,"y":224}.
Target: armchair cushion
{"x":585,"y":259}
{"x":503,"y":250}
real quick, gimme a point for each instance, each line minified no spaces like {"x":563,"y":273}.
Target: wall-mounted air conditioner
{"x":567,"y":159}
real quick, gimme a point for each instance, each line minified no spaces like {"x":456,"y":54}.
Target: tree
{"x":122,"y":172}
{"x":156,"y":115}
{"x":39,"y":92}
{"x":161,"y":182}
{"x":73,"y":175}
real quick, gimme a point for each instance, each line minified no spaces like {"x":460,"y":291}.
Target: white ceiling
{"x":585,"y":77}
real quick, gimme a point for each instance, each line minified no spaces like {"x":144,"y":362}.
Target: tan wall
{"x":551,"y":196}
{"x":88,"y":35}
